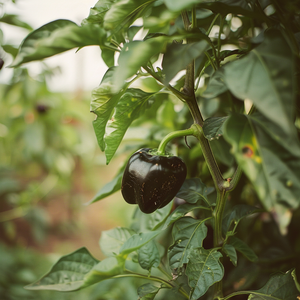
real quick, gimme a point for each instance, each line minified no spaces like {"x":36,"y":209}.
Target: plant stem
{"x":171,"y":136}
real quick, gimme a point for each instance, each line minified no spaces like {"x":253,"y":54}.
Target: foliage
{"x":240,"y":90}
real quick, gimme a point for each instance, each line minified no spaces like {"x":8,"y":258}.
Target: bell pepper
{"x":151,"y":180}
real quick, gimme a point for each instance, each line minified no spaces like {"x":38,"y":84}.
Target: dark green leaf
{"x":149,"y":256}
{"x":178,"y":56}
{"x":179,"y":5}
{"x":203,"y":270}
{"x":10,"y":49}
{"x":136,"y":241}
{"x":231,"y":253}
{"x":68,"y":274}
{"x":188,"y":234}
{"x":243,"y":248}
{"x":147,"y":291}
{"x":130,"y":106}
{"x":266,"y":77}
{"x":280,"y":286}
{"x":237,"y":213}
{"x":112,"y":240}
{"x":213,"y":127}
{"x":56,"y":37}
{"x":193,"y":190}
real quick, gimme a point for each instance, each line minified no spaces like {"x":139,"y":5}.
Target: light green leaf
{"x":182,"y":54}
{"x":14,"y":20}
{"x":193,"y":190}
{"x":130,"y":106}
{"x":279,"y":287}
{"x":123,"y":13}
{"x":148,"y":222}
{"x":106,"y":269}
{"x":102,"y":104}
{"x":134,"y":55}
{"x":266,"y":77}
{"x":147,"y":291}
{"x":136,"y":241}
{"x":243,"y":248}
{"x":188,"y":234}
{"x":216,"y":85}
{"x":294,"y":275}
{"x":97,"y":13}
{"x":68,"y":274}
{"x":148,"y":256}
{"x":112,"y":240}
{"x":110,"y":188}
{"x":181,"y":211}
{"x":231,"y":253}
{"x":203,"y":270}
{"x":179,"y":5}
{"x":270,"y":159}
{"x":56,"y":37}
{"x":213,"y":127}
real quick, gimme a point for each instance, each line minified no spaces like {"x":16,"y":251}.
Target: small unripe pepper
{"x":151,"y":180}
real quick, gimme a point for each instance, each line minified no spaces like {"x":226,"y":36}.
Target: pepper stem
{"x":173,"y":135}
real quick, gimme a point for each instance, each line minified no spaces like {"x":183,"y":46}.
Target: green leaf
{"x":213,"y":127}
{"x":124,"y":12}
{"x":203,"y":270}
{"x":280,"y":286}
{"x":97,"y":13}
{"x":106,"y":269}
{"x":14,"y":20}
{"x":188,"y":234}
{"x":216,"y":85}
{"x":147,"y":291}
{"x":130,"y":106}
{"x":136,"y":241}
{"x":237,"y":213}
{"x":68,"y":274}
{"x":135,"y":55}
{"x":148,"y":256}
{"x":108,"y":189}
{"x":193,"y":190}
{"x":56,"y":37}
{"x":270,"y":159}
{"x":112,"y":240}
{"x":181,"y":211}
{"x":178,"y":5}
{"x":182,"y":54}
{"x":102,"y":104}
{"x":148,"y":222}
{"x":266,"y":77}
{"x":243,"y":248}
{"x":231,"y":253}
{"x":294,"y":275}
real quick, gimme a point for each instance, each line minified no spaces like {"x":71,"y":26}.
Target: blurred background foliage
{"x":50,"y":166}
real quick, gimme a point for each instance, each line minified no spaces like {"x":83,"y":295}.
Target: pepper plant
{"x":225,"y":73}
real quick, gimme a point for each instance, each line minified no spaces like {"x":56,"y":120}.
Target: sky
{"x":81,"y":70}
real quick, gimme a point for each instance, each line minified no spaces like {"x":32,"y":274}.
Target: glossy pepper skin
{"x":152,"y":181}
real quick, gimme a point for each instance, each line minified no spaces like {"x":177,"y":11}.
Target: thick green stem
{"x":171,"y":136}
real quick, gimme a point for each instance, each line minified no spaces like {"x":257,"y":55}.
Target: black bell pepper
{"x":151,"y":180}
